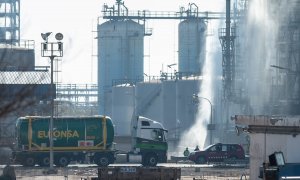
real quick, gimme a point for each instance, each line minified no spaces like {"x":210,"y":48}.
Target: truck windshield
{"x":158,"y":135}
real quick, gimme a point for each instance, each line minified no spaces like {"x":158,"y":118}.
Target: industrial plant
{"x":236,"y":85}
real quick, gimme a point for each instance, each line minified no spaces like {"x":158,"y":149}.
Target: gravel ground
{"x":188,"y":172}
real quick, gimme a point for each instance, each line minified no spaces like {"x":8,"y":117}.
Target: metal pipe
{"x":227,"y":19}
{"x":228,"y":64}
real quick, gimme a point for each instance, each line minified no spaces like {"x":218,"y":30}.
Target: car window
{"x":238,"y":148}
{"x":213,"y":148}
{"x":224,"y":147}
{"x":208,"y":147}
{"x":233,"y":148}
{"x":219,"y":147}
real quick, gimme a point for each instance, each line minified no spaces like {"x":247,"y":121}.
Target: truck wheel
{"x":102,"y":161}
{"x":62,"y":161}
{"x":150,"y":160}
{"x":200,"y":160}
{"x":44,"y":162}
{"x":28,"y":161}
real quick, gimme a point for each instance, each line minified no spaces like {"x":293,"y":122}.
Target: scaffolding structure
{"x":10,"y":22}
{"x":286,"y":82}
{"x":76,"y":99}
{"x":121,"y":12}
{"x":232,"y":63}
{"x":79,"y":94}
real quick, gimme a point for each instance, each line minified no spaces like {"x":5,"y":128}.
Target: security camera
{"x":45,"y":36}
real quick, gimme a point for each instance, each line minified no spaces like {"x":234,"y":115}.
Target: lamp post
{"x":170,"y":66}
{"x":51,"y":50}
{"x":210,"y":126}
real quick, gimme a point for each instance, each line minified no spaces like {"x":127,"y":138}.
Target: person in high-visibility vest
{"x":186,"y":152}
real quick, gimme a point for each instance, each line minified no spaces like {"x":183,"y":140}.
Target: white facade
{"x":122,"y":108}
{"x":263,"y":145}
{"x":269,"y":134}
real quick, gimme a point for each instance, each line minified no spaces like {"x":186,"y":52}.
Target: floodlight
{"x":276,"y":159}
{"x":45,"y":36}
{"x":59,"y":36}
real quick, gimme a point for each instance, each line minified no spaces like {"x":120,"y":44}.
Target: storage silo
{"x":123,"y":97}
{"x":120,"y":56}
{"x":192,"y":46}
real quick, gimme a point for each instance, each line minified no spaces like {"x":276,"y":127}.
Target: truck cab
{"x":150,"y":142}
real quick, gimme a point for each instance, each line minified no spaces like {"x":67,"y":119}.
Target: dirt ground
{"x":86,"y":173}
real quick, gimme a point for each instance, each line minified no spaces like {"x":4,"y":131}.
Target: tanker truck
{"x":76,"y":138}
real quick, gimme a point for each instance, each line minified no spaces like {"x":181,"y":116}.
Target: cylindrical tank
{"x":186,"y":109}
{"x":149,"y":100}
{"x":123,"y":98}
{"x":191,"y":45}
{"x":69,"y":132}
{"x":120,"y":55}
{"x":169,"y":107}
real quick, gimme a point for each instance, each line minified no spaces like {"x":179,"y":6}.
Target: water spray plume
{"x":197,"y":134}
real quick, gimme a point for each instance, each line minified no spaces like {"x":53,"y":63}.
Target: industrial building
{"x":169,"y":98}
{"x":24,"y":86}
{"x":259,"y":69}
{"x":255,"y":71}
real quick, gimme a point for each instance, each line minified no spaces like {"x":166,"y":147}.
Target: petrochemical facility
{"x":242,"y":61}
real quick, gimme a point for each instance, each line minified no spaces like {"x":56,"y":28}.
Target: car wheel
{"x":150,"y":160}
{"x":102,"y":161}
{"x":200,"y":160}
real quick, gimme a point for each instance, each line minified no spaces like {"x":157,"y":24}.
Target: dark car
{"x":218,"y":153}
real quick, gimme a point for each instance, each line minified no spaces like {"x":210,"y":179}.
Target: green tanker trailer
{"x":73,"y":139}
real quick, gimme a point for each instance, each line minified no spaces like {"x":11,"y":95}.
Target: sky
{"x":77,"y":21}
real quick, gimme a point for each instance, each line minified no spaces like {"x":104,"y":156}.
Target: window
{"x":145,"y":123}
{"x":224,"y":147}
{"x":214,"y":148}
{"x":157,"y":135}
{"x":233,"y":148}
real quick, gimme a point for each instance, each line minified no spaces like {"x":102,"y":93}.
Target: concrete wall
{"x":263,"y":145}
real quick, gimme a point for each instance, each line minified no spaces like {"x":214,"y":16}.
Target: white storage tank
{"x":149,"y":100}
{"x":169,"y":108}
{"x":123,"y":97}
{"x":120,"y":55}
{"x":186,"y":109}
{"x":191,"y":45}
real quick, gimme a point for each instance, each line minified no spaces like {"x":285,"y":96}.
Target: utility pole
{"x":51,"y":50}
